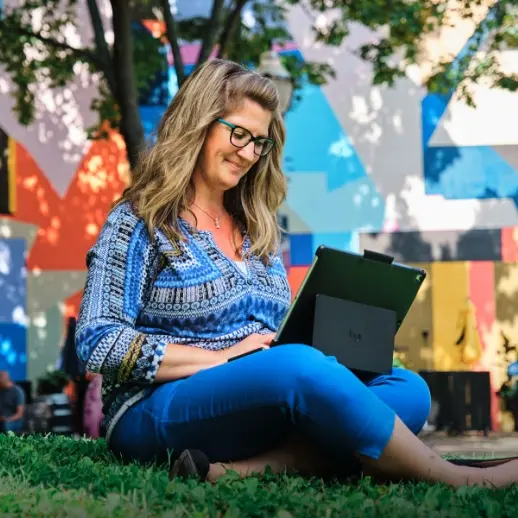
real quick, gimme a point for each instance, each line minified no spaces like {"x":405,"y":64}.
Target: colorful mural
{"x":422,"y":177}
{"x":12,"y":310}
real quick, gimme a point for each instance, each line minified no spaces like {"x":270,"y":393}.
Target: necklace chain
{"x":215,"y":219}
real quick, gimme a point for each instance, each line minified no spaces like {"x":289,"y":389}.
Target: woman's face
{"x":221,"y":164}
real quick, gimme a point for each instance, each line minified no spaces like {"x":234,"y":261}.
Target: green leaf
{"x":33,"y":55}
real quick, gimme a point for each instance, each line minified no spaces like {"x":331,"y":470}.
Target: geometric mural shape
{"x":295,"y":225}
{"x":47,"y":288}
{"x":317,"y":142}
{"x":348,"y":241}
{"x":45,"y":337}
{"x":491,"y":122}
{"x":470,"y":172}
{"x":13,"y":356}
{"x":510,"y":244}
{"x":296,"y":276}
{"x":13,"y":281}
{"x":414,"y":338}
{"x":509,"y":153}
{"x":48,"y":292}
{"x":12,"y":229}
{"x":439,"y":245}
{"x":450,"y":295}
{"x":482,"y":295}
{"x":68,"y":227}
{"x":301,"y":249}
{"x":471,"y":153}
{"x":351,"y":207}
{"x":304,"y":246}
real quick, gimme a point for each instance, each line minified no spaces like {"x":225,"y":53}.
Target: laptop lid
{"x":372,"y":279}
{"x":361,"y":337}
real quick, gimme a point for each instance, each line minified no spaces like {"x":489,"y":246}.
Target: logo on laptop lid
{"x":355,"y":336}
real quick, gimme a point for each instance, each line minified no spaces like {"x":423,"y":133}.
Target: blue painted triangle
{"x":317,"y":142}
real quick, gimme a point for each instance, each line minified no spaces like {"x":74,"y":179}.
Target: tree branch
{"x":104,"y":56}
{"x":124,"y":70}
{"x":230,"y":26}
{"x":172,"y":36}
{"x":211,"y":31}
{"x":82,"y":54}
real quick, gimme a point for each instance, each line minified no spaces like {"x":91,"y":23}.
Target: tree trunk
{"x":233,"y":19}
{"x":102,"y":50}
{"x":130,"y":125}
{"x":211,"y":31}
{"x":172,"y":36}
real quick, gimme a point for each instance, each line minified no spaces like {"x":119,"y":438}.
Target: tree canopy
{"x":35,"y":49}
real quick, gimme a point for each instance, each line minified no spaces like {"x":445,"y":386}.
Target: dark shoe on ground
{"x":190,"y":464}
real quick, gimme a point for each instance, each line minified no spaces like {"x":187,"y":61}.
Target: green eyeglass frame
{"x":241,"y":137}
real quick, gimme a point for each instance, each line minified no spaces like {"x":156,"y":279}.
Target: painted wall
{"x":422,"y":177}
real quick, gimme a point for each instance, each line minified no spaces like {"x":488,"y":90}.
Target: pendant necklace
{"x":215,"y":219}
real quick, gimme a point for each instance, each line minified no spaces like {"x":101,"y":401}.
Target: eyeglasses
{"x":241,"y":137}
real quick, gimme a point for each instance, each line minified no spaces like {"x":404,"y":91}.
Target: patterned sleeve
{"x":121,"y":267}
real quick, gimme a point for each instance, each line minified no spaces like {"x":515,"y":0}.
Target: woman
{"x":186,"y":275}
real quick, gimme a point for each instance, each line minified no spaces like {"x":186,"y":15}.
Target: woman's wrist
{"x":222,"y":356}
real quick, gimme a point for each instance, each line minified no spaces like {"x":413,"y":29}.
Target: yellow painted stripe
{"x":506,"y":307}
{"x":412,"y":346}
{"x":11,"y":173}
{"x":450,"y":295}
{"x":506,"y":325}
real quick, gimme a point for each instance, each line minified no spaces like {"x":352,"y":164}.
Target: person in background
{"x":12,"y":404}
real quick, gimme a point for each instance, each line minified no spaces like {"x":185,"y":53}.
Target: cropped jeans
{"x":251,"y":405}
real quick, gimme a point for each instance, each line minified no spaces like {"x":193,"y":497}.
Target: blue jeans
{"x":254,"y":404}
{"x":13,"y":426}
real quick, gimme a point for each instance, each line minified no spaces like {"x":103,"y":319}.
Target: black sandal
{"x":190,"y":464}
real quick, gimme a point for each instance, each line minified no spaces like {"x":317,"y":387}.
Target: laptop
{"x":355,"y":292}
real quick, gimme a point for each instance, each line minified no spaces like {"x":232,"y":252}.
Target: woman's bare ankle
{"x":493,"y":477}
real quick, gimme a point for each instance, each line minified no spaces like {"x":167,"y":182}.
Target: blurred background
{"x":402,"y":138}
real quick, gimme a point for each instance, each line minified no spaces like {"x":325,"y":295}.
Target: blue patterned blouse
{"x":141,"y":295}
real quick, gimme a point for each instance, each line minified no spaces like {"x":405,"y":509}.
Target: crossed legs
{"x":243,"y":413}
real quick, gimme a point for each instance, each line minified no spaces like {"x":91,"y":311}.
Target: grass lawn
{"x":62,"y":477}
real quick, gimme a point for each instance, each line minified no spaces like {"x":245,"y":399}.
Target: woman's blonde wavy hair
{"x":161,"y":185}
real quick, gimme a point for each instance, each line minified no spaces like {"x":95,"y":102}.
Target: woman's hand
{"x":250,"y":343}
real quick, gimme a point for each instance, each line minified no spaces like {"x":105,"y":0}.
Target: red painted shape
{"x":72,"y":305}
{"x":36,"y":198}
{"x":68,"y":227}
{"x":510,"y":244}
{"x":296,"y":275}
{"x":482,"y":294}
